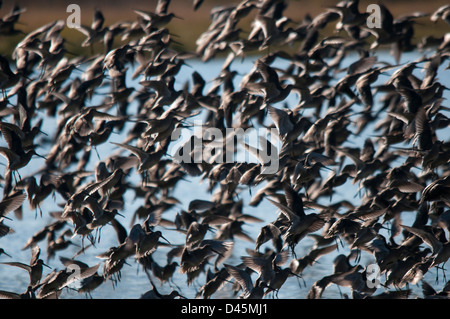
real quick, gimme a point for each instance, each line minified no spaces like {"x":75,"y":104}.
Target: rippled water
{"x":133,"y":280}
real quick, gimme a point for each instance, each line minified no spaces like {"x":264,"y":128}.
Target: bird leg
{"x":96,"y":151}
{"x":443,"y":272}
{"x":172,"y":284}
{"x":98,"y":234}
{"x":337,"y":243}
{"x":91,"y":239}
{"x":145,"y":178}
{"x":340,"y":292}
{"x":358,"y":255}
{"x":298,"y":280}
{"x":15,"y":178}
{"x":36,"y":212}
{"x":43,"y":67}
{"x":292,"y":246}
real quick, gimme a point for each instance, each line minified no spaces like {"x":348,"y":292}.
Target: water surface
{"x":133,"y":281}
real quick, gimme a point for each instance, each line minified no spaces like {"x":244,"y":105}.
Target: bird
{"x":266,"y":155}
{"x":430,"y":293}
{"x":436,"y":190}
{"x":299,"y":264}
{"x":156,"y":20}
{"x":35,"y":267}
{"x":427,"y":238}
{"x":95,"y":32}
{"x":299,"y":223}
{"x":146,"y":159}
{"x":191,"y":259}
{"x":11,"y":202}
{"x":215,"y":283}
{"x":321,"y":94}
{"x":281,"y":120}
{"x":349,"y":14}
{"x":271,"y":87}
{"x":15,"y":154}
{"x":2,"y":251}
{"x":29,"y":294}
{"x":155,"y":294}
{"x":269,"y":232}
{"x":441,"y":13}
{"x":90,"y":279}
{"x":148,"y":243}
{"x":250,"y":290}
{"x":56,"y":281}
{"x":7,"y":76}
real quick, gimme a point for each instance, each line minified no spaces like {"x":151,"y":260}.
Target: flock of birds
{"x":404,"y":168}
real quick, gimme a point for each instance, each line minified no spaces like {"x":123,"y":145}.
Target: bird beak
{"x":176,"y":42}
{"x":40,"y":156}
{"x":166,"y":240}
{"x":212,"y":229}
{"x":296,"y":275}
{"x":46,"y":265}
{"x":120,"y":215}
{"x":186,"y":64}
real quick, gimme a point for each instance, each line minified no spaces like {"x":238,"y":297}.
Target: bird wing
{"x":35,"y":253}
{"x":285,"y":210}
{"x":87,"y":31}
{"x":294,"y":200}
{"x":281,"y":258}
{"x":427,"y":237}
{"x":367,"y":215}
{"x":281,"y":120}
{"x":243,"y":278}
{"x":359,"y":164}
{"x":224,"y":251}
{"x":136,"y":151}
{"x":246,"y":218}
{"x":88,"y":272}
{"x":145,"y":14}
{"x":362,"y":65}
{"x":8,"y":295}
{"x":200,"y":205}
{"x":11,"y":203}
{"x":427,"y":289}
{"x":80,"y":274}
{"x":316,"y":223}
{"x":162,"y":6}
{"x":18,"y":264}
{"x":9,"y":155}
{"x":216,"y":220}
{"x":255,"y":263}
{"x":273,"y":230}
{"x":317,"y":253}
{"x":406,"y":186}
{"x":69,"y":261}
{"x":12,"y":134}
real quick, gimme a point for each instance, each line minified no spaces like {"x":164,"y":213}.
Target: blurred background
{"x":193,"y":22}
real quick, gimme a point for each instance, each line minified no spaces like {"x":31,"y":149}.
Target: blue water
{"x":134,"y":282}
